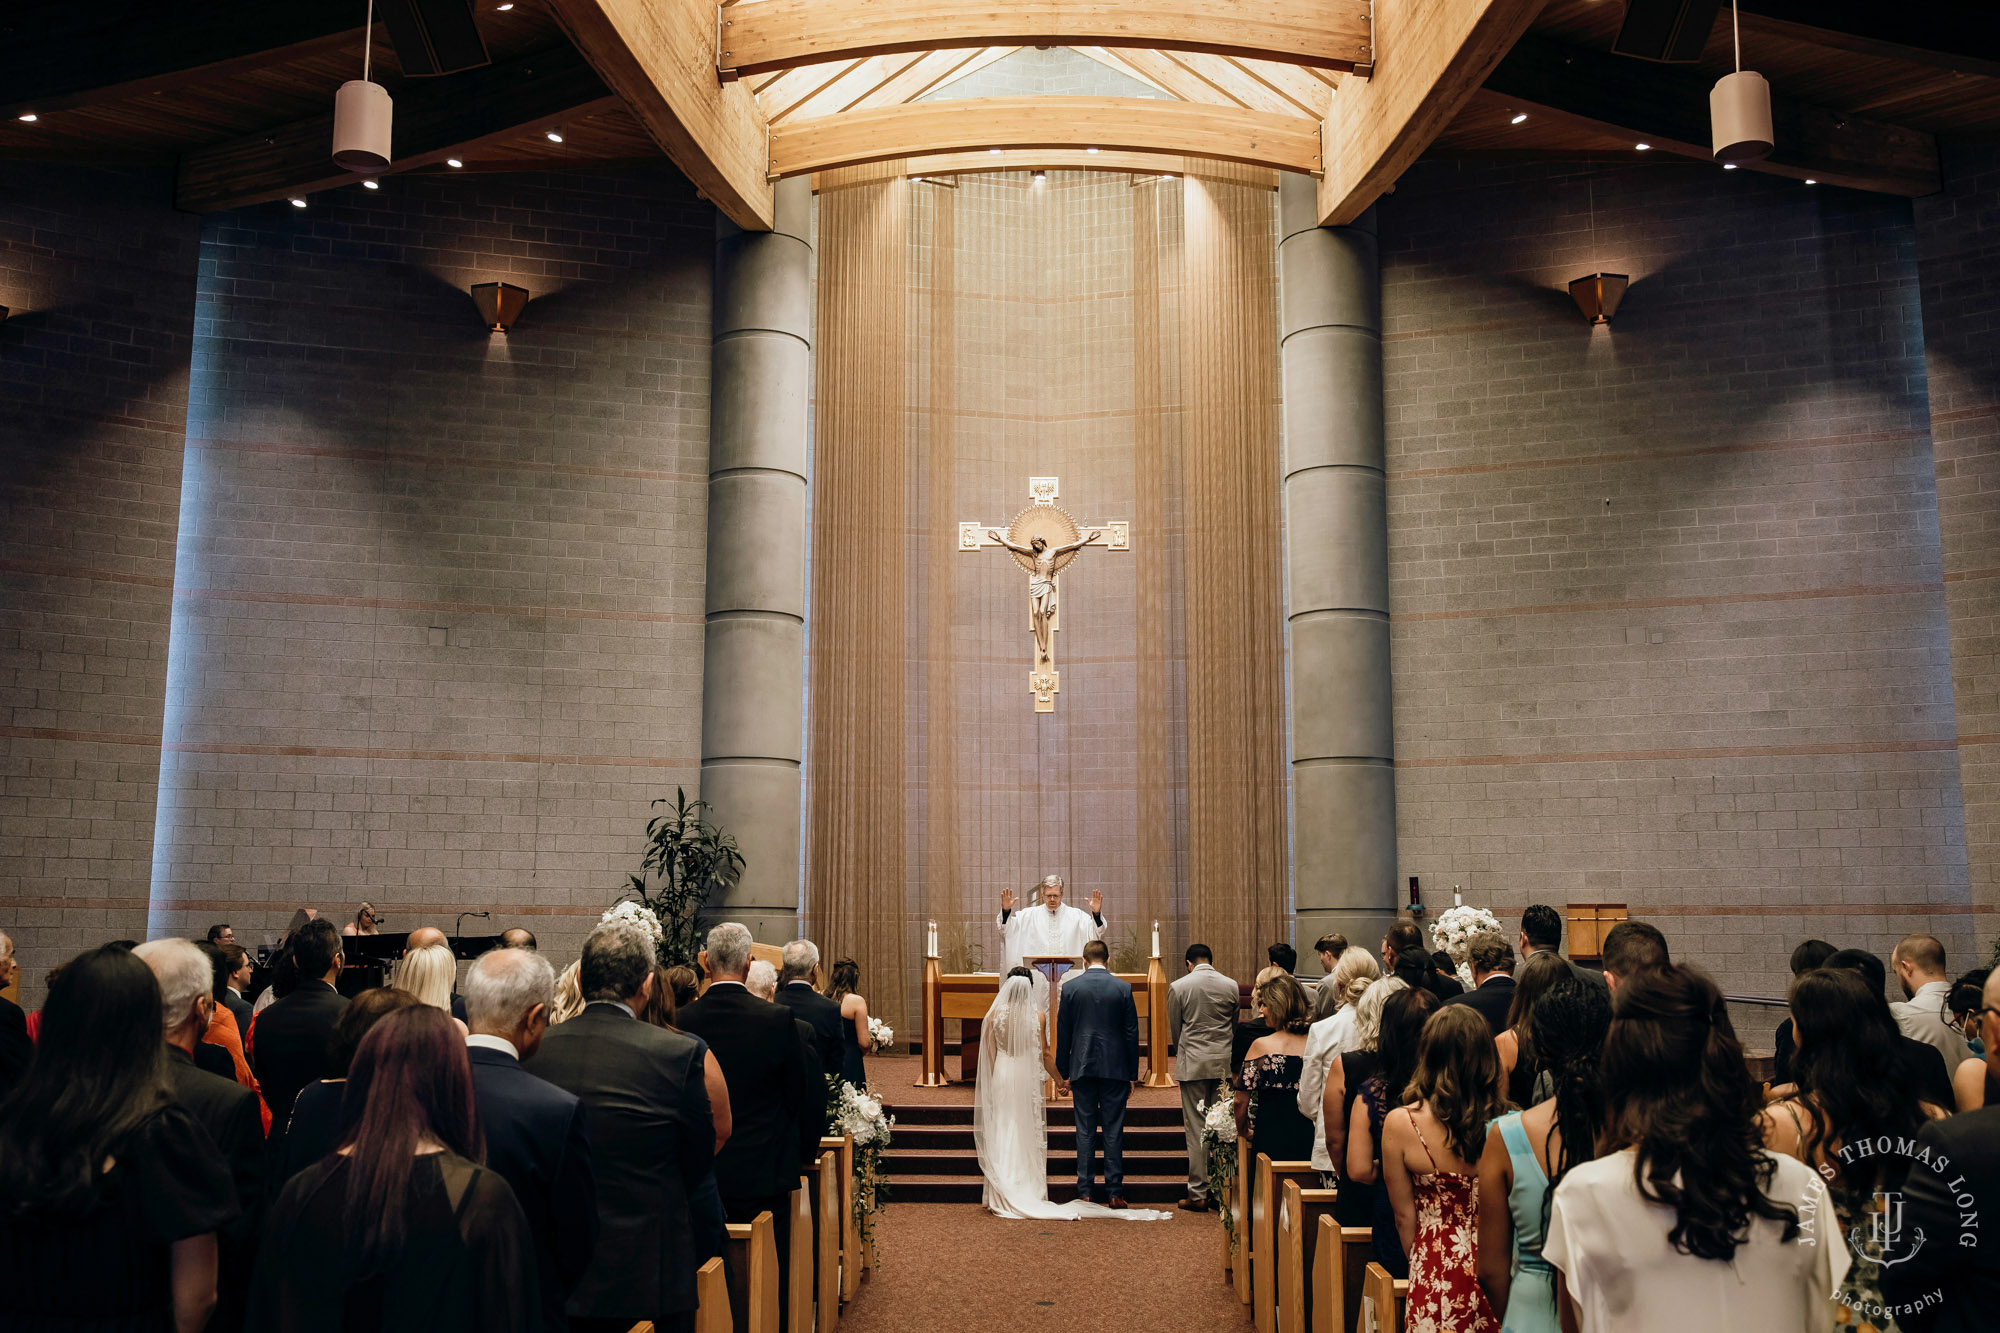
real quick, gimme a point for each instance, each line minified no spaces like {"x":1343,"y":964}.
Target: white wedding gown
{"x":1009,"y":1120}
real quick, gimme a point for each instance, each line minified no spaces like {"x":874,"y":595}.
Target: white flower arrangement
{"x":881,"y":1034}
{"x":637,"y":914}
{"x":1218,"y":1120}
{"x":1218,"y":1137}
{"x":861,"y":1117}
{"x":1454,"y":929}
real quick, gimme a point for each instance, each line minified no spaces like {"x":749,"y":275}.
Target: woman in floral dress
{"x":1430,"y":1155}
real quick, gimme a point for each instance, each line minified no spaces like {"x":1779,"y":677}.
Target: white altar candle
{"x":930,"y":949}
{"x":1156,"y":939}
{"x":1456,"y":901}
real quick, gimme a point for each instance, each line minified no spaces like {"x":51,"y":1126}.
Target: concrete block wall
{"x":99,"y":274}
{"x":1669,"y":611}
{"x":438,"y":632}
{"x":1958,"y":246}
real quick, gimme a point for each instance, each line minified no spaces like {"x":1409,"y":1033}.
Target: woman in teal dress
{"x":1519,"y":1169}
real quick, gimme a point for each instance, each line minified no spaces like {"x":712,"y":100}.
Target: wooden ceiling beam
{"x":1430,"y":57}
{"x":659,"y":56}
{"x":1941,"y":36}
{"x":1061,"y":159}
{"x":1333,"y":34}
{"x":1111,"y":124}
{"x":937,"y":70}
{"x":439,"y":118}
{"x":76,"y":53}
{"x":1667,"y":108}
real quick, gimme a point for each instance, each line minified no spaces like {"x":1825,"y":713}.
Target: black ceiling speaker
{"x":434,"y":36}
{"x":1667,"y":30}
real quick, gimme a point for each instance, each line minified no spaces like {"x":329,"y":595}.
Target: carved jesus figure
{"x":1042,"y":581}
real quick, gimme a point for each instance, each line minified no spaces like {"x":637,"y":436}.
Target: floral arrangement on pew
{"x":882,"y":1035}
{"x":1454,"y":929}
{"x":862,"y":1118}
{"x":1218,"y":1138}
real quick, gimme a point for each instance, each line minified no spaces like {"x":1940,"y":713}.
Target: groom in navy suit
{"x":1097,"y":1053}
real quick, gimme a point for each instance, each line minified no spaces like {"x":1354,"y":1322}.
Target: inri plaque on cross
{"x":1043,"y":539}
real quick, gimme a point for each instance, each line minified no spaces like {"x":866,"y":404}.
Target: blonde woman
{"x":568,"y":1002}
{"x":428,"y":974}
{"x":1330,"y":1038}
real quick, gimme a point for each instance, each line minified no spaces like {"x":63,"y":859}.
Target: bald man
{"x":422,"y":938}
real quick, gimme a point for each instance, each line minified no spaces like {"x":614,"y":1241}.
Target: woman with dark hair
{"x":661,"y":1005}
{"x":314,"y":1128}
{"x":1354,"y":1202}
{"x":1808,"y":956}
{"x":1518,"y":1064}
{"x":110,"y":1193}
{"x":1973,"y":1084}
{"x":842,"y":989}
{"x":1270,"y":1074}
{"x":400,"y":1229}
{"x":1849,"y":1090}
{"x":1534,"y":1149}
{"x":1403,"y":1018}
{"x":684,"y":983}
{"x":1684,"y":1219}
{"x":1431,"y":1146}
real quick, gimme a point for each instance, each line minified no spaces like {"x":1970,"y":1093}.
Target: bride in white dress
{"x":1009,"y":1117}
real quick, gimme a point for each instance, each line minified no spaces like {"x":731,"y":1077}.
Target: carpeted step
{"x":945,"y":1138}
{"x":1153,"y":1192}
{"x":898,"y":1163}
{"x":1060,"y":1115}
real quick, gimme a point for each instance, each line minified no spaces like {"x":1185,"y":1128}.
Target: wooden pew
{"x":711,"y":1290}
{"x":823,"y":1185}
{"x":850,"y":1235}
{"x":1238,"y":1207}
{"x":753,"y":1275}
{"x":1265,"y":1196}
{"x":1382,"y":1301}
{"x":1299,"y":1213}
{"x":799,"y":1264}
{"x":1340,"y":1260}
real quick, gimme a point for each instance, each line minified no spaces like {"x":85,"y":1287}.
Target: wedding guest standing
{"x":854,"y":1036}
{"x":1201,"y":1019}
{"x":1403,"y":1018}
{"x":1267,"y":1092}
{"x":1529,"y":1152}
{"x":400,"y":1228}
{"x":315,"y":1124}
{"x":1431,"y":1147}
{"x":111,"y":1194}
{"x":1516,"y":1042}
{"x":1806,"y":956}
{"x":1687,"y":1221}
{"x":1848,"y":1089}
{"x":1354,"y":1204}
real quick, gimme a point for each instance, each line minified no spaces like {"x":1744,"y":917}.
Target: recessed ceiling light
{"x":1041,"y":175}
{"x":1729,"y":166}
{"x":1166,"y":175}
{"x":994,"y":151}
{"x":371,"y":185}
{"x":453,"y":162}
{"x":1642,"y":147}
{"x":554,"y":137}
{"x":1811,"y":181}
{"x":298,"y":202}
{"x":29,"y":118}
{"x":1519,"y":116}
{"x":1090,"y":150}
{"x":504,"y":8}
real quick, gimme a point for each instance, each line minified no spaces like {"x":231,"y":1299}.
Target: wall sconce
{"x":500,"y":304}
{"x":1598,"y":295}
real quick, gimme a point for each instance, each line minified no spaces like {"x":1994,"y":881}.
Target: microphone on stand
{"x":460,"y":924}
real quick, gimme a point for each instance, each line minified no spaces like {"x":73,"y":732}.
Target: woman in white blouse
{"x":1684,"y":1221}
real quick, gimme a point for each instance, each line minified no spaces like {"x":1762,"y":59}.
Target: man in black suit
{"x":774,"y":1109}
{"x":237,"y":959}
{"x":15,"y":1048}
{"x":798,"y":991}
{"x":286,"y":1044}
{"x":222,"y":1106}
{"x":534,"y":1130}
{"x":652,"y":1137}
{"x":1951,"y":1283}
{"x":1403,"y":956}
{"x":1492,"y":993}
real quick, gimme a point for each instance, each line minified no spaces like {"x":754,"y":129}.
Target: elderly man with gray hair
{"x":535,"y":1131}
{"x":222,"y":1106}
{"x":798,"y":991}
{"x":652,"y":1134}
{"x":776,"y":1095}
{"x":15,"y":1048}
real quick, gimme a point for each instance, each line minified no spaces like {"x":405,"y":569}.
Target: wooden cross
{"x":1061,"y":537}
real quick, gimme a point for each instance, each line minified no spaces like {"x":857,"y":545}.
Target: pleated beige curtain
{"x":1153,"y":638}
{"x":855,"y":832}
{"x":1237,"y":849}
{"x":941,"y":743}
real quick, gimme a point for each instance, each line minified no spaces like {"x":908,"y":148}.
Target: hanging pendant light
{"x":1739,"y":109}
{"x":361,"y":114}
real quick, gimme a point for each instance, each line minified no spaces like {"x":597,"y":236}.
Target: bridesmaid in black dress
{"x":1267,"y":1090}
{"x":854,"y":1038}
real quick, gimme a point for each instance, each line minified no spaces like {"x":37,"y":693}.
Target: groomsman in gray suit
{"x":1201,"y":1017}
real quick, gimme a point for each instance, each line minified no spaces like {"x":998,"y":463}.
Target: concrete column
{"x":753,"y":669}
{"x":1336,"y":575}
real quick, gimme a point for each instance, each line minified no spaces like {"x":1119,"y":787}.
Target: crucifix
{"x":1043,"y":539}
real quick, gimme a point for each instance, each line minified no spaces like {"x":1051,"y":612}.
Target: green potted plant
{"x":687,"y":858}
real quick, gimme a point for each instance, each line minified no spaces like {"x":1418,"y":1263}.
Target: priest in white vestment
{"x":1048,"y":929}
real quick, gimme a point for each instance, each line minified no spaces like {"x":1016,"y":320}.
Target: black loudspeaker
{"x":1667,"y":30}
{"x":433,"y":36}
